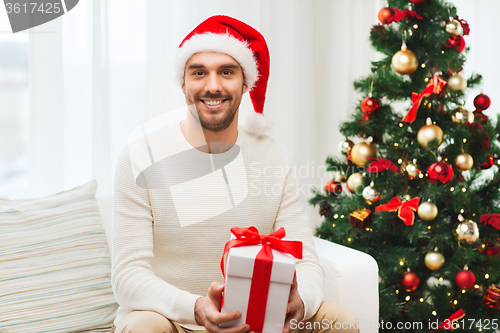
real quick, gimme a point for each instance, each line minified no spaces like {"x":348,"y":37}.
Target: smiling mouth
{"x":213,"y":103}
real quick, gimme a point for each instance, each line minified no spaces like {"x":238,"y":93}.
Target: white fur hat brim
{"x":221,"y":43}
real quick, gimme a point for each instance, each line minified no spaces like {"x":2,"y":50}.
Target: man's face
{"x":214,"y":83}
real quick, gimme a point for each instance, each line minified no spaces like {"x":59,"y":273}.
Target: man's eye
{"x":198,"y":73}
{"x":226,"y":72}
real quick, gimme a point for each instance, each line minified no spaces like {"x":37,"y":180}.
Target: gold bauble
{"x":339,"y":176}
{"x":356,"y":183}
{"x":429,"y":132}
{"x":427,"y":211}
{"x":464,"y":162}
{"x":467,"y":231}
{"x":454,"y":27}
{"x":404,"y":61}
{"x":457,"y":83}
{"x":461,"y":115}
{"x":434,"y":260}
{"x":361,"y":152}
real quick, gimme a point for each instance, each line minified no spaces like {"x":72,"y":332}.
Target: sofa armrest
{"x":351,"y":279}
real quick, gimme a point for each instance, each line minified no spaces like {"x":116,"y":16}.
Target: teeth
{"x":212,"y":103}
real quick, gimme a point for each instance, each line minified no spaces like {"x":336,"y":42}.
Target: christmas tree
{"x":423,"y":182}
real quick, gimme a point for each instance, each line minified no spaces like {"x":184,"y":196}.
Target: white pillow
{"x":55,"y":268}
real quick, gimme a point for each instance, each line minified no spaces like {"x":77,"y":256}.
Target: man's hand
{"x":295,"y":307}
{"x":207,"y":312}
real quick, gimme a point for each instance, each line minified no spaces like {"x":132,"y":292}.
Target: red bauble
{"x":488,"y":163}
{"x":482,"y":102}
{"x":465,"y":279}
{"x":410,"y":281}
{"x":456,"y":42}
{"x":440,"y":172}
{"x":491,"y":250}
{"x":417,"y":1}
{"x":333,"y":187}
{"x":369,"y":105}
{"x":385,"y":13}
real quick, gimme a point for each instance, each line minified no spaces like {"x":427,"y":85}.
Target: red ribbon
{"x":464,"y":24}
{"x":435,"y":86}
{"x":491,"y":219}
{"x":261,"y":277}
{"x":448,"y":323}
{"x":381,"y":164}
{"x":486,"y":137}
{"x":405,"y":209}
{"x":399,"y":15}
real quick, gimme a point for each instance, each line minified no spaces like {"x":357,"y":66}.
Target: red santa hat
{"x":224,"y":34}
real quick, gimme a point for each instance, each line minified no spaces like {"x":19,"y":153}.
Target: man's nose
{"x":213,"y":84}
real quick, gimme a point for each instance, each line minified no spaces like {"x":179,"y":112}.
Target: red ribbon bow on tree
{"x":405,"y":209}
{"x":399,"y":15}
{"x":381,"y":164}
{"x":491,"y":219}
{"x":261,"y":278}
{"x":464,"y":24}
{"x":448,"y":323}
{"x":485,"y":137}
{"x":435,"y":86}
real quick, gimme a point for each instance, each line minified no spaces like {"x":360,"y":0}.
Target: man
{"x":172,"y":218}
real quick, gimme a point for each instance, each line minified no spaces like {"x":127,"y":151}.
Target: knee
{"x":340,"y":316}
{"x":144,"y":322}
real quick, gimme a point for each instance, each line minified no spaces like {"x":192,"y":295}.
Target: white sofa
{"x":351,"y":276}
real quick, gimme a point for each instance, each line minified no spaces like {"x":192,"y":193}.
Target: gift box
{"x":258,"y":278}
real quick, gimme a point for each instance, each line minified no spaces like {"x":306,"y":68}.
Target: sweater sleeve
{"x":292,"y":216}
{"x":134,"y":283}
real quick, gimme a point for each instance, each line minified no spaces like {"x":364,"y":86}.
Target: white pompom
{"x":257,"y":123}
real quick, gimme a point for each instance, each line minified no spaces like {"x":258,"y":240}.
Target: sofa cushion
{"x":55,"y":264}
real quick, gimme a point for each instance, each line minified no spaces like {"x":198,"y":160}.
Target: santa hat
{"x":224,"y":34}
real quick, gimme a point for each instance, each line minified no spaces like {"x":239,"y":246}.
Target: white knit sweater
{"x":173,"y":210}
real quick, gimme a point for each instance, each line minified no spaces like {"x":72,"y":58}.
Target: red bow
{"x":399,"y":15}
{"x":381,"y":164}
{"x":435,"y":86}
{"x":492,"y":219}
{"x":405,"y":209}
{"x":448,"y":323}
{"x":464,"y":24}
{"x":261,"y":278}
{"x":486,"y":137}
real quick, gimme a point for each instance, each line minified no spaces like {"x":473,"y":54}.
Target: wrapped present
{"x":257,"y":279}
{"x":492,"y":297}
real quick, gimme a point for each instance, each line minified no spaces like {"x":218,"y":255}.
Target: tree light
{"x":401,"y":263}
{"x":400,"y":161}
{"x":415,"y":26}
{"x":434,"y":313}
{"x":341,"y":216}
{"x":486,"y":276}
{"x":335,"y":216}
{"x":426,"y":79}
{"x":407,"y":298}
{"x":333,"y":225}
{"x":455,"y":302}
{"x":452,"y":189}
{"x":401,"y":125}
{"x":421,"y":300}
{"x":397,"y":291}
{"x":423,"y":65}
{"x":464,"y":140}
{"x":396,"y":144}
{"x":349,"y":239}
{"x":464,"y":189}
{"x":463,"y":291}
{"x":462,"y":211}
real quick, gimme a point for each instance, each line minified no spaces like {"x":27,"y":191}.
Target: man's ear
{"x":183,"y":91}
{"x":245,"y":88}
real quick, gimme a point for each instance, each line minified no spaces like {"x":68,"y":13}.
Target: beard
{"x":203,"y":116}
